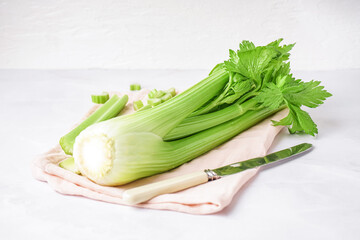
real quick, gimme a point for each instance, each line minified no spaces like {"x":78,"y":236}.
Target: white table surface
{"x":316,"y":196}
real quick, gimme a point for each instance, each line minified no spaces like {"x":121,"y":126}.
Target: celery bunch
{"x":253,"y":84}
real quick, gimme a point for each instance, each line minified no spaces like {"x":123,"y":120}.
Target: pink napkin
{"x":207,"y":198}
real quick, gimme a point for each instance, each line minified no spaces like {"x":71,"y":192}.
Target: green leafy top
{"x":294,"y":93}
{"x":249,"y":68}
{"x":265,"y":68}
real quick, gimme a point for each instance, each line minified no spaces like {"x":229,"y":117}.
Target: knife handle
{"x":146,"y":192}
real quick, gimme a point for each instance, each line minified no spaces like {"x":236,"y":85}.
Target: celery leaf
{"x":294,"y":93}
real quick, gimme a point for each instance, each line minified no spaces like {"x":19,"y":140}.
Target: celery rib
{"x":166,"y":116}
{"x":109,"y":110}
{"x":202,"y":142}
{"x":194,"y":124}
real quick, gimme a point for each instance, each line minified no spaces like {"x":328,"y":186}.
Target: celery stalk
{"x":109,"y":110}
{"x":166,"y":116}
{"x":194,"y":124}
{"x":185,"y":149}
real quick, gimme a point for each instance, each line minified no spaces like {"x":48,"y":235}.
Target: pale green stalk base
{"x":128,"y":157}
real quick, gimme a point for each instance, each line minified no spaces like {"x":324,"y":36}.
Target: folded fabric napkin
{"x":203,"y":199}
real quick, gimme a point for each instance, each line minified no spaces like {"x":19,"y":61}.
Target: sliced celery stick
{"x":137,"y":105}
{"x":145,"y":107}
{"x":166,"y":97}
{"x":154,"y":102}
{"x":171,"y":91}
{"x":109,"y":110}
{"x":156,"y":93}
{"x":135,"y":87}
{"x":100,"y":98}
{"x":152,"y":94}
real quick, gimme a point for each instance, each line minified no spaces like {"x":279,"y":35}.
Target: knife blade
{"x":256,"y":162}
{"x":146,"y":192}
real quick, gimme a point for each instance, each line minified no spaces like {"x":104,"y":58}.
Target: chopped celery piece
{"x":172,"y":91}
{"x":69,"y":164}
{"x":154,"y":101}
{"x":160,"y":94}
{"x":155,"y":97}
{"x":135,"y":87}
{"x":137,"y":105}
{"x":109,"y":110}
{"x":145,"y":107}
{"x":152,"y":93}
{"x":166,"y":97}
{"x":100,"y":98}
{"x":156,"y":94}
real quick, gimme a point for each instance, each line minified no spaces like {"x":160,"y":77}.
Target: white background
{"x":163,"y":34}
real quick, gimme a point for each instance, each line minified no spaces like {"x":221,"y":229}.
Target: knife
{"x":146,"y":192}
